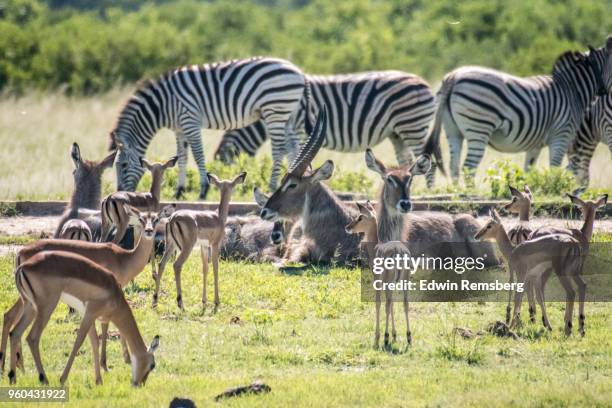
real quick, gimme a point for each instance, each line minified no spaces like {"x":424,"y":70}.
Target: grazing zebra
{"x":364,"y":109}
{"x":224,"y":95}
{"x":596,"y":127}
{"x":514,"y":114}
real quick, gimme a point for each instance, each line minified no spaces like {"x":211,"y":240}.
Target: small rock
{"x":465,"y":332}
{"x":501,"y":329}
{"x":235,"y":320}
{"x":255,"y":388}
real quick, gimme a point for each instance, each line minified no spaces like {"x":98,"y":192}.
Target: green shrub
{"x":501,"y":174}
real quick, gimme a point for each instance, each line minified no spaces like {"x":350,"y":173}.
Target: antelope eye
{"x":152,"y":366}
{"x":360,"y":218}
{"x":124,"y":165}
{"x":292,"y":185}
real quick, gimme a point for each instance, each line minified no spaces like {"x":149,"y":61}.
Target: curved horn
{"x":311,"y":147}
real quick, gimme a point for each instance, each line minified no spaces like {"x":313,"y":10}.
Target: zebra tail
{"x":432,"y":147}
{"x":307,"y":95}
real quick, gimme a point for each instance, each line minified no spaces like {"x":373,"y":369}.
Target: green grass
{"x":310,"y":336}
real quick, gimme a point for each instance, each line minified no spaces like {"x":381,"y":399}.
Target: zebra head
{"x":601,"y":65}
{"x":129,"y":167}
{"x":395,"y":195}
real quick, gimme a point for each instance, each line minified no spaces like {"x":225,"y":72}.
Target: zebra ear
{"x":609,"y":44}
{"x":75,"y":153}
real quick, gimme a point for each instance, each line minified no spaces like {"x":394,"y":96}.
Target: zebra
{"x":514,"y":114}
{"x":364,"y":109}
{"x":224,"y":95}
{"x":596,"y":127}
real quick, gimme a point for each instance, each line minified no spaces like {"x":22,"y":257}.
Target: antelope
{"x":534,"y":260}
{"x":114,"y":213}
{"x":322,"y":215}
{"x":76,"y":229}
{"x":85,"y":200}
{"x":49,"y":276}
{"x":186,"y":227}
{"x":124,"y":264}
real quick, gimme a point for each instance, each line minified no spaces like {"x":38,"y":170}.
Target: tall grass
{"x":37,"y":130}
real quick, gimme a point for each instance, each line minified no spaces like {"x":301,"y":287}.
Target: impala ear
{"x":144,"y":163}
{"x":527,"y":191}
{"x":495,"y":216}
{"x":515,"y":192}
{"x":239,"y":179}
{"x":603,"y":200}
{"x":370,"y":206}
{"x":362,"y":208}
{"x":374,"y":164}
{"x":421,"y":165}
{"x":260,"y":198}
{"x":213,"y":179}
{"x":171,"y":162}
{"x":576,"y":200}
{"x":75,"y":153}
{"x":323,"y":173}
{"x":154,"y":344}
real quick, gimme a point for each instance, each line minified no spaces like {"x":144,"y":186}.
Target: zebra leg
{"x":275,"y":123}
{"x":403,"y":152}
{"x":181,"y":152}
{"x":557,"y":148}
{"x":531,"y":157}
{"x":193,"y":135}
{"x":579,"y":162}
{"x":476,"y":147}
{"x":455,"y":145}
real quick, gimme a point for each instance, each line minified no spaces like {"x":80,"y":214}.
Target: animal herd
{"x":101,"y":245}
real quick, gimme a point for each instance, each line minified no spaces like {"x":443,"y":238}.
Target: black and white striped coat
{"x":364,"y":109}
{"x":513,"y":114}
{"x":226,"y":95}
{"x":596,"y":128}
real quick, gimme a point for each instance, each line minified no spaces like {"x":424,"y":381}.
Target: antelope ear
{"x":323,"y":173}
{"x":213,"y":179}
{"x":75,"y":153}
{"x":421,"y":166}
{"x":239,"y":179}
{"x":603,"y":200}
{"x":609,"y":44}
{"x":171,"y":162}
{"x":362,"y":208}
{"x":374,"y":164}
{"x":154,"y":344}
{"x":526,"y":189}
{"x":260,"y":198}
{"x":495,"y":216}
{"x":576,"y":200}
{"x":370,"y":206}
{"x":145,"y":163}
{"x":108,"y":160}
{"x":515,"y":192}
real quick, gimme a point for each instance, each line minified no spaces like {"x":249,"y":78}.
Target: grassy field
{"x":38,"y":129}
{"x":309,"y":337}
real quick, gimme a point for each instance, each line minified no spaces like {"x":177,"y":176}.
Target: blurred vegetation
{"x":87,"y":46}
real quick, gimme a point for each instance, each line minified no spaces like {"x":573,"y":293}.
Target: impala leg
{"x":43,"y":314}
{"x":508,"y":306}
{"x":104,"y":334}
{"x":10,"y":318}
{"x":377,"y":329}
{"x":27,"y":316}
{"x":178,"y":266}
{"x":530,"y":289}
{"x":86,"y":323}
{"x":581,"y":297}
{"x":393,"y":331}
{"x":388,"y":313}
{"x":160,"y":270}
{"x":539,"y":291}
{"x":518,"y":298}
{"x":204,"y":254}
{"x":93,"y":338}
{"x":570,"y":295}
{"x":408,"y":333}
{"x":215,"y":262}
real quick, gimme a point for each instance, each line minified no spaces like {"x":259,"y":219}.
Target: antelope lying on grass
{"x":186,"y":227}
{"x":49,"y":276}
{"x":124,"y":264}
{"x":113,"y":208}
{"x":534,"y":260}
{"x":323,"y":216}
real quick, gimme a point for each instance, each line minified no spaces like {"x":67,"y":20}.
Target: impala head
{"x":521,"y":200}
{"x":288,"y":199}
{"x":395,"y":194}
{"x":88,"y":177}
{"x":277,"y":235}
{"x":226,"y":186}
{"x":491,"y":228}
{"x":365,"y":221}
{"x":145,"y":221}
{"x":143,"y":365}
{"x":157,"y":169}
{"x":589,"y":206}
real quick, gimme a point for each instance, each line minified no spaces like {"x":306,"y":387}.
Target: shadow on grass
{"x":310,"y":270}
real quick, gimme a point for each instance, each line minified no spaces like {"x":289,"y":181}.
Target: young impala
{"x":49,"y":276}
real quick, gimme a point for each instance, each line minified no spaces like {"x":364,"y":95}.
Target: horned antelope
{"x":115,"y":213}
{"x":49,"y":276}
{"x":535,"y":260}
{"x":186,"y":227}
{"x":124,"y":264}
{"x":76,"y":229}
{"x":322,"y":215}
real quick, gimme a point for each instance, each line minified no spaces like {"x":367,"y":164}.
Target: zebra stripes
{"x":513,"y":114}
{"x":364,"y":109}
{"x":596,"y":127}
{"x":224,"y":95}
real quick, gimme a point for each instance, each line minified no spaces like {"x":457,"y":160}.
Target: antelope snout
{"x":277,"y":237}
{"x":267,"y":214}
{"x":404,"y":206}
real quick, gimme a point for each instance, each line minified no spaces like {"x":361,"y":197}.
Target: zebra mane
{"x":567,"y":59}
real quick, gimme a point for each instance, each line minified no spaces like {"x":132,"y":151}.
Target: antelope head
{"x":589,"y":207}
{"x":146,"y":221}
{"x":364,"y":222}
{"x":157,"y":169}
{"x":227,"y":186}
{"x":491,"y":228}
{"x":277,"y":235}
{"x":395,"y":195}
{"x":144,"y":364}
{"x":88,"y":176}
{"x":521,"y":200}
{"x":288,"y":199}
